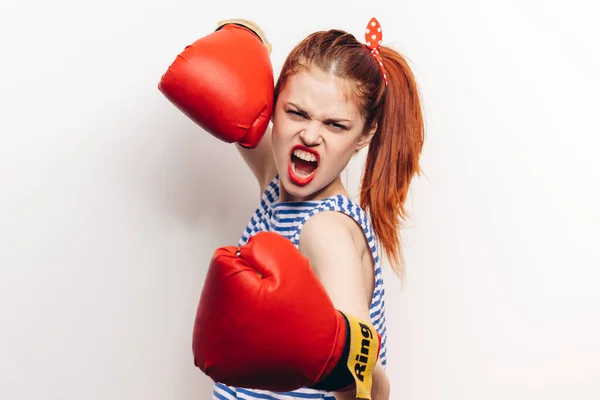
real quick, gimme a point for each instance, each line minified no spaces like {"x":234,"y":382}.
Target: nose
{"x":311,"y":135}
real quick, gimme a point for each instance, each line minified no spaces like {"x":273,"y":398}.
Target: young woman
{"x":335,"y":96}
{"x":332,"y":100}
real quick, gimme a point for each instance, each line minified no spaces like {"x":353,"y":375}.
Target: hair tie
{"x":373,"y":36}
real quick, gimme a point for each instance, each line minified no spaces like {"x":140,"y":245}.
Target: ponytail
{"x":393,"y":156}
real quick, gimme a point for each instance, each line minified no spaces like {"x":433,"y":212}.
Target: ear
{"x":366,"y":137}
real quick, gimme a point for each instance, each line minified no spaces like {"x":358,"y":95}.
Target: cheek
{"x":283,"y":130}
{"x":336,"y":157}
{"x":280,"y":141}
{"x":276,"y":131}
{"x":344,"y":149}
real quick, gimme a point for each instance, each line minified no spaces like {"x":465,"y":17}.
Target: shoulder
{"x":331,"y":228}
{"x":339,"y":254}
{"x":339,"y":218}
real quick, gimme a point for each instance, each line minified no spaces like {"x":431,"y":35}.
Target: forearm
{"x":380,"y":389}
{"x":260,"y":160}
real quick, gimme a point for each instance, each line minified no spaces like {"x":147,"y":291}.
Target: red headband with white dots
{"x":373,"y":38}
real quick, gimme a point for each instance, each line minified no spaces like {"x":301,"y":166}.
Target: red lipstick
{"x":296,"y":178}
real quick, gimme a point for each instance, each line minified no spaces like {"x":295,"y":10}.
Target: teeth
{"x":305,"y":155}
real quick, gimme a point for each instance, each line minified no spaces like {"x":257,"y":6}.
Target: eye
{"x":297,"y":114}
{"x":338,"y":127}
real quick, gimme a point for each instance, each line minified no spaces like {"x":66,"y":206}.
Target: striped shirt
{"x":287,"y":219}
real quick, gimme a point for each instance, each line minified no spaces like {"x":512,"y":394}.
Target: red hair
{"x":395,"y":149}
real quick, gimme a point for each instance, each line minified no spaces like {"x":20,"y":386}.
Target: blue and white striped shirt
{"x":287,"y":219}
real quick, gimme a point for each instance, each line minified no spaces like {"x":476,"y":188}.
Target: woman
{"x":334,"y":96}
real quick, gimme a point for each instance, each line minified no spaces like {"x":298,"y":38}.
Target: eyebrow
{"x":326,"y":120}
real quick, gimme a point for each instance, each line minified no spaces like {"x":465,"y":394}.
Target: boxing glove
{"x":224,"y":82}
{"x":264,"y":321}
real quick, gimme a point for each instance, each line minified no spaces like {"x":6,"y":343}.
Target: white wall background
{"x":111,"y":201}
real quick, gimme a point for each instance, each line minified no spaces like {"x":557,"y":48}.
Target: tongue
{"x":305,"y":167}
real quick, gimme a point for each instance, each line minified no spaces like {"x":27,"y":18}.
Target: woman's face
{"x":316,"y":130}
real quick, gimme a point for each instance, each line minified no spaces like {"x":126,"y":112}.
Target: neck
{"x":335,"y":187}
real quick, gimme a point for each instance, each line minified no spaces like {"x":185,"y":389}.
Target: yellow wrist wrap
{"x":364,"y":345}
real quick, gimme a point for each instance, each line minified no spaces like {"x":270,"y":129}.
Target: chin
{"x":315,"y":189}
{"x":297,"y":192}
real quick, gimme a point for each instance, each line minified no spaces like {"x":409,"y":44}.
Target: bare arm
{"x":335,"y":246}
{"x":260,"y":160}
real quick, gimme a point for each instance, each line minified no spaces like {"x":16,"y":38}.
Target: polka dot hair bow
{"x":373,"y":38}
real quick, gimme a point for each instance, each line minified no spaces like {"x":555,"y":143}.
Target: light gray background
{"x":112,"y":201}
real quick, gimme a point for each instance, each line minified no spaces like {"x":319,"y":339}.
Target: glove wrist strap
{"x":251,"y":25}
{"x":355,"y":368}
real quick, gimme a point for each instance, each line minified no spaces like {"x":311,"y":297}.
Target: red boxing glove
{"x":224,"y":82}
{"x":264,"y":321}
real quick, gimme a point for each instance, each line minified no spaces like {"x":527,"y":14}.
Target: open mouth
{"x":303,"y":165}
